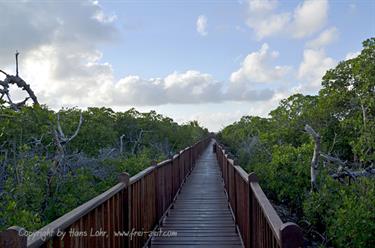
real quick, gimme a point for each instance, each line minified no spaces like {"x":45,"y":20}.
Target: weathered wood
{"x":200,"y":214}
{"x":124,"y":178}
{"x":13,"y":238}
{"x":68,"y":219}
{"x":291,"y":235}
{"x":258,"y":222}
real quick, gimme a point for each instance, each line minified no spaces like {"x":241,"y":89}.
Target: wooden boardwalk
{"x":200,"y":215}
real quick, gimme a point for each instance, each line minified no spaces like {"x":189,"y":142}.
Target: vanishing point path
{"x":201,"y":215}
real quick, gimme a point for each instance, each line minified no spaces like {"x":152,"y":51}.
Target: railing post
{"x":124,"y":178}
{"x":12,"y":238}
{"x":126,"y":218}
{"x":234,"y":200}
{"x":252,"y":178}
{"x":291,"y":235}
{"x":224,"y":167}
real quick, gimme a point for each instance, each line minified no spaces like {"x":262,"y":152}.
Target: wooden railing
{"x":137,"y":204}
{"x":256,"y":219}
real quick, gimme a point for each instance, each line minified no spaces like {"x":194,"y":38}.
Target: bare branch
{"x":61,"y":136}
{"x":78,"y":128}
{"x":21,"y":104}
{"x":16,"y":80}
{"x":333,"y":143}
{"x":122,"y":143}
{"x":59,"y":129}
{"x":6,"y":74}
{"x":17,"y":53}
{"x":315,"y":158}
{"x":333,"y":159}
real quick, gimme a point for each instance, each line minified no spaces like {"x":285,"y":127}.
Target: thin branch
{"x":6,"y":74}
{"x":78,"y":128}
{"x":333,"y":143}
{"x":17,"y":53}
{"x":59,"y":129}
{"x":333,"y":159}
{"x":315,"y":158}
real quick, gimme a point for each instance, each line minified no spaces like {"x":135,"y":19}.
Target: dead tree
{"x":20,"y":83}
{"x":315,"y":158}
{"x":344,"y":168}
{"x":61,"y":140}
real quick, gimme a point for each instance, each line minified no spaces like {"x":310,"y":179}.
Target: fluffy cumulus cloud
{"x":263,"y":19}
{"x":58,"y":48}
{"x":306,"y":19}
{"x":309,"y":17}
{"x":59,"y":58}
{"x":257,"y":67}
{"x":313,"y":67}
{"x":187,"y":87}
{"x":202,"y":25}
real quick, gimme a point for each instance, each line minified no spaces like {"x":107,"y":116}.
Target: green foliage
{"x":347,"y":212}
{"x":287,"y":175}
{"x":280,"y":152}
{"x":35,"y":189}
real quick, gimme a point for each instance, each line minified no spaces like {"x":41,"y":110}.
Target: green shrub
{"x":287,"y":175}
{"x":345,"y":212}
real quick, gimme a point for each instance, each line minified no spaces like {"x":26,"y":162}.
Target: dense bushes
{"x":347,"y":212}
{"x":280,"y":152}
{"x":38,"y":183}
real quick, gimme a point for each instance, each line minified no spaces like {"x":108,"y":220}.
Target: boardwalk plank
{"x":200,"y":216}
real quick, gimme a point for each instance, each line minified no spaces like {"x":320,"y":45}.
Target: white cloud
{"x":58,"y":49}
{"x":352,"y":55}
{"x":309,"y":17}
{"x":306,"y":19}
{"x":311,"y":70}
{"x":263,"y":20}
{"x":325,"y":38}
{"x":257,"y":68}
{"x":33,"y":24}
{"x":188,"y":87}
{"x":59,"y":80}
{"x":180,"y":88}
{"x":265,"y":27}
{"x":202,"y":25}
{"x":59,"y":58}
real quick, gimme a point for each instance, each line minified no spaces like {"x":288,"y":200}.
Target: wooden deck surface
{"x":200,"y":215}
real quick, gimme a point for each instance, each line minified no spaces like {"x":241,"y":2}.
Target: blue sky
{"x":158,"y":38}
{"x":213,"y":61}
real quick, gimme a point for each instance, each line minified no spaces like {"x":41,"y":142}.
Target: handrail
{"x":258,"y":223}
{"x":69,"y":218}
{"x":137,"y":203}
